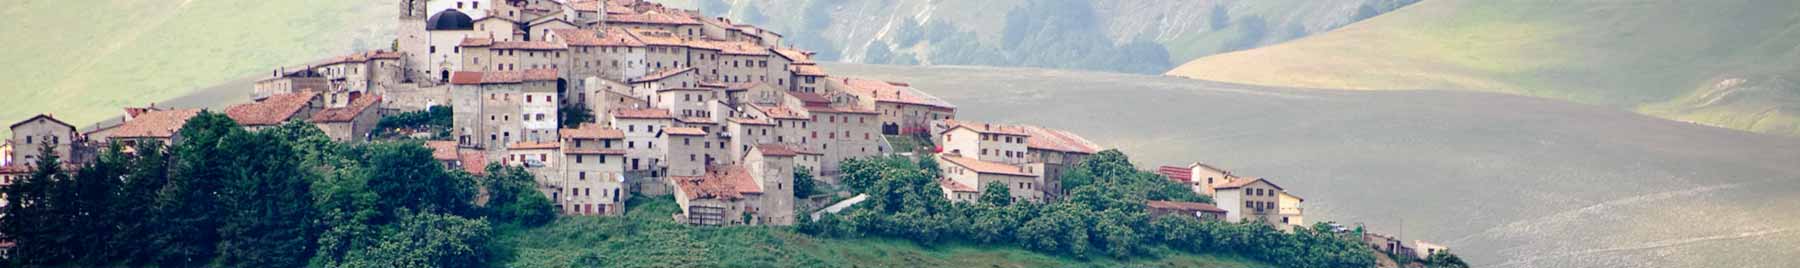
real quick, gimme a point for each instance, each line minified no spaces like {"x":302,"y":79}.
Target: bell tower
{"x":411,"y":40}
{"x":412,"y":9}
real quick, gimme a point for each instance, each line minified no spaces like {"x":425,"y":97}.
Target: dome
{"x":449,"y":20}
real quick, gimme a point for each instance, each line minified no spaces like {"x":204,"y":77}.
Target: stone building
{"x":276,"y":110}
{"x":973,"y":175}
{"x":1259,"y":200}
{"x":351,"y":122}
{"x":757,"y":192}
{"x":903,"y":110}
{"x":145,"y":125}
{"x":985,"y":141}
{"x":643,"y":131}
{"x":1199,"y":211}
{"x":1200,"y":177}
{"x":494,"y":109}
{"x":32,"y":135}
{"x":593,"y":171}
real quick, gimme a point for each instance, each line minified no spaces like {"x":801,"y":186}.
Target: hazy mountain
{"x":1506,"y":181}
{"x":1137,"y":36}
{"x":1729,"y":63}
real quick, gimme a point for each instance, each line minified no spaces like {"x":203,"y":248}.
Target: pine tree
{"x":91,"y":224}
{"x":267,"y":203}
{"x":33,"y":218}
{"x":188,"y":208}
{"x":135,"y":202}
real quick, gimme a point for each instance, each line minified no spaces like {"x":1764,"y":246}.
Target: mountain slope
{"x":1136,"y":36}
{"x":84,"y":60}
{"x":1662,"y":58}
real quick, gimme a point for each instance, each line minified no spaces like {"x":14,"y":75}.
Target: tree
{"x":996,"y":194}
{"x":574,"y":115}
{"x":804,"y":186}
{"x":404,"y":176}
{"x":427,"y":240}
{"x":514,"y":198}
{"x":187,"y":208}
{"x":34,"y":217}
{"x":267,"y":203}
{"x":1444,"y":259}
{"x":94,"y":187}
{"x":135,"y":202}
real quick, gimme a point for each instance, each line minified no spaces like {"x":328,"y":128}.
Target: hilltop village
{"x":603,"y":100}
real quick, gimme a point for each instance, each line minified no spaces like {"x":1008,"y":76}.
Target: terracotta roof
{"x":593,"y":151}
{"x":696,"y":120}
{"x":1190,"y":206}
{"x":752,"y":121}
{"x":725,"y":183}
{"x":741,"y":86}
{"x":661,"y":74}
{"x":1240,"y":183}
{"x":529,"y":45}
{"x":777,"y":149}
{"x":986,"y":167}
{"x":840,"y":110}
{"x":503,"y":77}
{"x":684,"y":131}
{"x":1181,"y":174}
{"x":474,"y":162}
{"x":742,"y":48}
{"x":806,"y":70}
{"x":155,"y":124}
{"x":443,"y":150}
{"x":579,"y":37}
{"x":658,"y":37}
{"x":589,"y":6}
{"x":591,"y":131}
{"x":953,"y":186}
{"x":651,"y":113}
{"x":476,"y":42}
{"x":44,"y":116}
{"x":620,"y":37}
{"x":526,"y":145}
{"x":781,"y":112}
{"x":652,"y":17}
{"x":1042,"y":138}
{"x":793,"y":55}
{"x":274,"y":110}
{"x":892,"y":92}
{"x":346,"y":113}
{"x":986,"y":128}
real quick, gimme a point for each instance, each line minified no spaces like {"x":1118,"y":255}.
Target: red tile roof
{"x":793,"y":55}
{"x":1181,"y":174}
{"x":752,"y":121}
{"x":443,"y":150}
{"x":591,"y":131}
{"x":503,"y":77}
{"x":806,"y":70}
{"x":684,"y":131}
{"x":651,"y":113}
{"x":529,"y":45}
{"x":953,"y":186}
{"x":526,"y":145}
{"x":662,"y":74}
{"x":589,"y":6}
{"x":580,"y":37}
{"x":474,"y":162}
{"x":810,"y":98}
{"x":155,"y":124}
{"x":986,"y":128}
{"x":731,"y":182}
{"x":1042,"y":138}
{"x":276,"y":109}
{"x":1187,"y":206}
{"x":986,"y":167}
{"x":781,"y":112}
{"x":742,"y":48}
{"x":652,"y":17}
{"x":348,"y":112}
{"x":777,"y":149}
{"x":892,"y":92}
{"x":657,"y":37}
{"x":45,"y":116}
{"x":620,"y":37}
{"x":1240,"y":183}
{"x":476,"y":42}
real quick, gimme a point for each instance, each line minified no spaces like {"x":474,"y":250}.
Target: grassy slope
{"x":1649,"y":56}
{"x":647,"y":237}
{"x":84,"y":59}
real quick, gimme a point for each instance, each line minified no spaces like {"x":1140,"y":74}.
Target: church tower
{"x":411,"y":40}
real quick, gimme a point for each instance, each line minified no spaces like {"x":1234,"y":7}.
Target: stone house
{"x":808,"y":77}
{"x":289,"y":80}
{"x":683,"y":153}
{"x":593,"y":160}
{"x":1024,"y":182}
{"x":276,"y":110}
{"x":1259,"y":200}
{"x":1056,"y":150}
{"x":903,"y":110}
{"x":757,"y":192}
{"x":1200,"y":211}
{"x":32,"y":135}
{"x":352,"y":122}
{"x":145,"y":125}
{"x":647,"y":86}
{"x":1201,"y":177}
{"x":643,"y":131}
{"x":985,"y":141}
{"x":491,"y":108}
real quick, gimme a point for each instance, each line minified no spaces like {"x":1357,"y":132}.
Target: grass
{"x":85,"y":59}
{"x":648,"y":237}
{"x":1651,"y":57}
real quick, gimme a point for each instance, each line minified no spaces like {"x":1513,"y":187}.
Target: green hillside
{"x":647,"y":237}
{"x":1727,"y":63}
{"x":84,"y":59}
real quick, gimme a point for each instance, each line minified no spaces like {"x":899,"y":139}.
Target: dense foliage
{"x":573,"y":115}
{"x":281,"y":197}
{"x":804,"y":185}
{"x":1103,"y":215}
{"x":435,"y":120}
